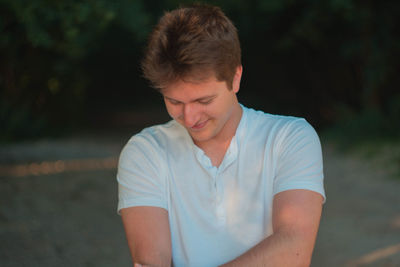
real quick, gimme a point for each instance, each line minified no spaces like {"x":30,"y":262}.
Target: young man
{"x":220,"y":183}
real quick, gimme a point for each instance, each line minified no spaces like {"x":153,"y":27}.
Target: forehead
{"x":195,"y":75}
{"x":186,"y":89}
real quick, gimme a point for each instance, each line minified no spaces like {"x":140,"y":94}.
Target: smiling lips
{"x":199,"y":126}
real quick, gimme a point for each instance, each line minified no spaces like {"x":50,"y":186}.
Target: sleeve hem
{"x":141,"y":202}
{"x":311,"y":187}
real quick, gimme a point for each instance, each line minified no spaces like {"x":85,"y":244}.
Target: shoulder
{"x":274,"y":125}
{"x":152,"y":140}
{"x":156,"y":135}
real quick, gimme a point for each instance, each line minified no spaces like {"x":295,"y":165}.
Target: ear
{"x":237,"y":78}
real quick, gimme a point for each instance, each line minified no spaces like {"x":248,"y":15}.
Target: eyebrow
{"x":209,"y":97}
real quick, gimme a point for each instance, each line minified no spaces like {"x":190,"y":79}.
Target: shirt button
{"x":220,"y":211}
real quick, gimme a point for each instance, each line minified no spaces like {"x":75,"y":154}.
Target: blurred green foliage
{"x":331,"y":61}
{"x":43,"y":45}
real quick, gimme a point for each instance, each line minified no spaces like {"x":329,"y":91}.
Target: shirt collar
{"x":232,"y":151}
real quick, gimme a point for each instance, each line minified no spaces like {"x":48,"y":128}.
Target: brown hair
{"x":192,"y":43}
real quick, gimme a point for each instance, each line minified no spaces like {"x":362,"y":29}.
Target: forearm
{"x":148,"y":265}
{"x":152,"y":260}
{"x":148,"y":235}
{"x":283,"y":248}
{"x":148,"y":254}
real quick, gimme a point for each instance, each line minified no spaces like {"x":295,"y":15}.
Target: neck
{"x":216,"y":148}
{"x":229,"y":129}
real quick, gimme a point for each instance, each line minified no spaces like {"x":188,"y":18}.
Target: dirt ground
{"x":58,"y":208}
{"x":360,"y":224}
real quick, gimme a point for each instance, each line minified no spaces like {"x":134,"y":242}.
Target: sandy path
{"x":361,"y":219}
{"x":68,"y":217}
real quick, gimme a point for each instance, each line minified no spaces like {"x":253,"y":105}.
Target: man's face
{"x":207,"y":109}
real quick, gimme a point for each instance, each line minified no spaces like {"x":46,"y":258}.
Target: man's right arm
{"x":148,"y":235}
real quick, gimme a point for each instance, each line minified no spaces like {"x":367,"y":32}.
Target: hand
{"x":141,"y":265}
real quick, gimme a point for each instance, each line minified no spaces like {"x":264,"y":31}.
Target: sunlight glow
{"x":59,"y":166}
{"x":375,"y":255}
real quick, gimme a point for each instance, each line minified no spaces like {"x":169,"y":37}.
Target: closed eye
{"x":205,"y":102}
{"x":173,"y":102}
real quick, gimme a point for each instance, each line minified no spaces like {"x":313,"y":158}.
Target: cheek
{"x":223,"y":110}
{"x":173,"y":111}
{"x":218,"y":109}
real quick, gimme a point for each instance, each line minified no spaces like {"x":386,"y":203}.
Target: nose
{"x":190,"y":115}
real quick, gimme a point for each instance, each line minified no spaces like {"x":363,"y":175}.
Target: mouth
{"x":199,"y":126}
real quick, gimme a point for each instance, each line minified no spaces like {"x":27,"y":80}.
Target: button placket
{"x":219,"y":208}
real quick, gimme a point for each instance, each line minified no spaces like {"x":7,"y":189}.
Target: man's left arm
{"x":295,"y":217}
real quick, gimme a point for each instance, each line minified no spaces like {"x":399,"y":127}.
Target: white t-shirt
{"x":217,"y":214}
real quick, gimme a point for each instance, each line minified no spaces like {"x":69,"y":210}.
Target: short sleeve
{"x":141,"y":176}
{"x":299,"y":163}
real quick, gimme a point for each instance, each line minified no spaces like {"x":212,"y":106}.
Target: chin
{"x":200,"y":137}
